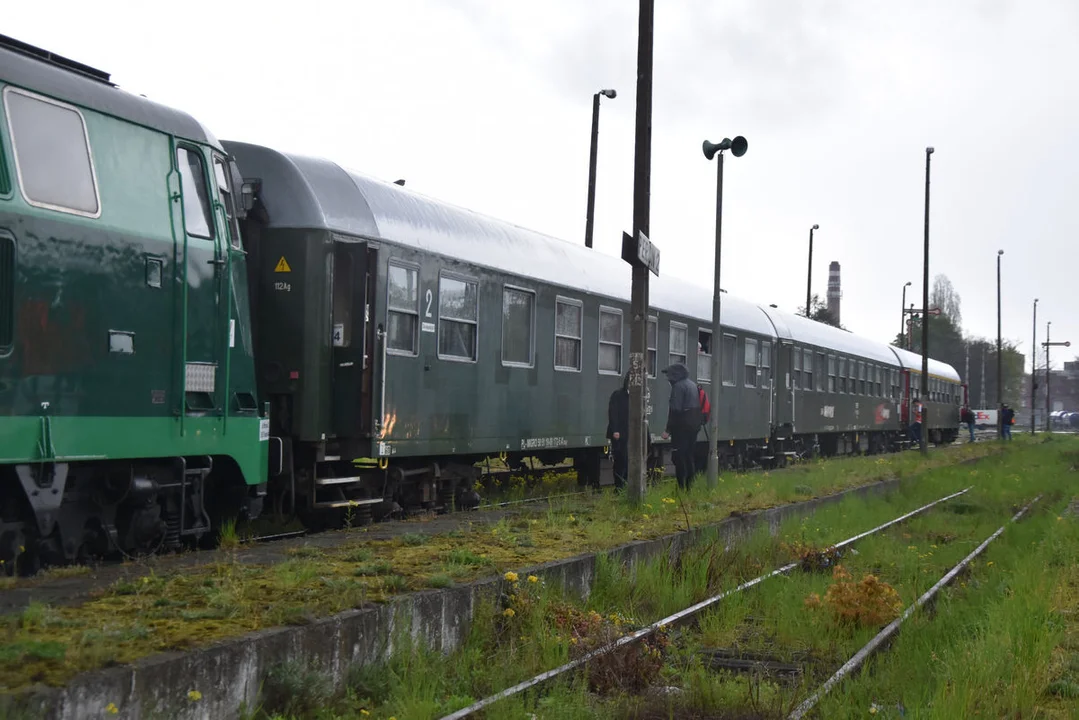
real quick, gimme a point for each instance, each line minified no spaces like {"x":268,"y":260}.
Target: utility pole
{"x":590,"y":211}
{"x":1048,"y":397}
{"x":809,"y":280}
{"x":1034,"y":367}
{"x":925,"y":309}
{"x":638,"y":336}
{"x":1000,"y":360}
{"x":983,"y":378}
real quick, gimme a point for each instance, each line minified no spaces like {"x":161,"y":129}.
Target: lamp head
{"x":610,"y":93}
{"x":1000,"y":252}
{"x":816,"y":226}
{"x":908,"y":284}
{"x":929,"y":150}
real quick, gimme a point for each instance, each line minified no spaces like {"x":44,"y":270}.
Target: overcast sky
{"x":487,"y":104}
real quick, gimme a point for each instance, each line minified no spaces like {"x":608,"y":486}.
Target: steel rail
{"x":862,"y":655}
{"x":672,"y":619}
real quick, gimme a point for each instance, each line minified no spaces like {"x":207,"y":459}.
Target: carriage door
{"x":783,"y":418}
{"x":350,"y":337}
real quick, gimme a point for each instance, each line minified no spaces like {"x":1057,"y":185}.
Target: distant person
{"x":683,"y":421}
{"x":916,"y":421}
{"x":1007,"y":419}
{"x":966,"y":416}
{"x":618,"y":431}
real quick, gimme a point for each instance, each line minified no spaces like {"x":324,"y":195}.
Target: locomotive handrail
{"x":382,"y":381}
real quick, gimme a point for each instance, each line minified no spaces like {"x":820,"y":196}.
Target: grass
{"x":1003,"y":641}
{"x":198,"y":605}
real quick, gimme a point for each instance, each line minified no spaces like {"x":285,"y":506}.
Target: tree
{"x":820,"y":313}
{"x":944,"y":296}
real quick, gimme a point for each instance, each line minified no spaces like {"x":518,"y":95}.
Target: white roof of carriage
{"x":913,"y":362}
{"x":810,"y":332}
{"x":304,"y":192}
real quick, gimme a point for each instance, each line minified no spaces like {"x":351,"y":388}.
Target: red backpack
{"x":706,"y":406}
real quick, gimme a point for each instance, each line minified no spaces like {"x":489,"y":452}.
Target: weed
{"x":377,"y":567}
{"x":227,"y":537}
{"x":292,"y":689}
{"x":464,"y":556}
{"x":414,"y":539}
{"x":440,"y":580}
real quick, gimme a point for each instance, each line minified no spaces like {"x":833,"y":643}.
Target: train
{"x":191,"y":329}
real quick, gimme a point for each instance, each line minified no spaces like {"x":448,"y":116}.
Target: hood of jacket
{"x":676,"y":372}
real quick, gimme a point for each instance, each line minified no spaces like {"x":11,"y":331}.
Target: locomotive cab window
{"x":569,"y":316}
{"x":704,"y":356}
{"x":518,"y":321}
{"x":403,"y":310}
{"x":224,"y":191}
{"x":53,"y":161}
{"x":458,"y":308}
{"x":196,"y":199}
{"x":653,"y":344}
{"x":610,"y":341}
{"x":677,"y":343}
{"x":751,"y":362}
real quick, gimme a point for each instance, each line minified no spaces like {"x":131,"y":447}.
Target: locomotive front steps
{"x":227,"y":676}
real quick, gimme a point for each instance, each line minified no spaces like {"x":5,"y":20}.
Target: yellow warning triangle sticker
{"x":282,"y":265}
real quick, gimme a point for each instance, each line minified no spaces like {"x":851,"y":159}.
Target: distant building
{"x":834,"y":293}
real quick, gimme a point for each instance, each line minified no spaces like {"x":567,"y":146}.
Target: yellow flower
{"x":989,"y":564}
{"x":508,"y":612}
{"x":511,"y":576}
{"x":194,"y":695}
{"x":873,"y":710}
{"x":533,"y":578}
{"x":669,"y":501}
{"x":111,"y":709}
{"x":645,"y":516}
{"x":364,"y":712}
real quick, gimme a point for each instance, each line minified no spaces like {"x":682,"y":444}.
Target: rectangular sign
{"x":428,"y":327}
{"x":640,"y":253}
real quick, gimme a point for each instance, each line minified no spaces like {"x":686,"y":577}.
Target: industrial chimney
{"x":834,"y":293}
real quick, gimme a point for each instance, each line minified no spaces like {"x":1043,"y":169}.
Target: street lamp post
{"x":1000,"y":360}
{"x":809,"y":280}
{"x":925,"y":308}
{"x":1048,"y":397}
{"x":1034,"y":367}
{"x":591,"y":210}
{"x":903,"y":315}
{"x":738,"y":148}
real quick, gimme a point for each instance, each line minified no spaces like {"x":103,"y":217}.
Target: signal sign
{"x":282,"y":266}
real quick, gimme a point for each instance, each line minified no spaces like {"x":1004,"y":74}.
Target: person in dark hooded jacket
{"x":683,"y":421}
{"x":618,"y":431}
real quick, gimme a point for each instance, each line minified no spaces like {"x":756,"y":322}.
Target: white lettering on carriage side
{"x":827,"y":411}
{"x":547,"y":442}
{"x":264,"y":429}
{"x":339,"y":335}
{"x":383,"y":449}
{"x":428,"y":327}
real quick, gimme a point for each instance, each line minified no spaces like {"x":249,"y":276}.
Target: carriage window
{"x":403,"y":311}
{"x":677,"y":344}
{"x":842,"y":374}
{"x":766,"y":364}
{"x":196,"y":200}
{"x":880,"y":382}
{"x":458,"y":307}
{"x":610,"y":341}
{"x":704,"y":356}
{"x":807,"y":370}
{"x":861,"y":378}
{"x":52,"y":154}
{"x":831,"y":373}
{"x":729,"y":359}
{"x":567,"y":334}
{"x":797,"y":374}
{"x":822,"y":364}
{"x":518,"y":319}
{"x":653,"y":344}
{"x":751,"y":362}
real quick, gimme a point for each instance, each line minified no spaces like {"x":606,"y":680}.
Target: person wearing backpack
{"x":618,"y":431}
{"x":683,"y":421}
{"x":966,"y":416}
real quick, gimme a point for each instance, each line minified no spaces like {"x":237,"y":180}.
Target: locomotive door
{"x":204,"y":272}
{"x":783,"y":416}
{"x":350,"y":337}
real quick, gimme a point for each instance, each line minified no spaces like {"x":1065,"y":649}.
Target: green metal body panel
{"x":79,"y":280}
